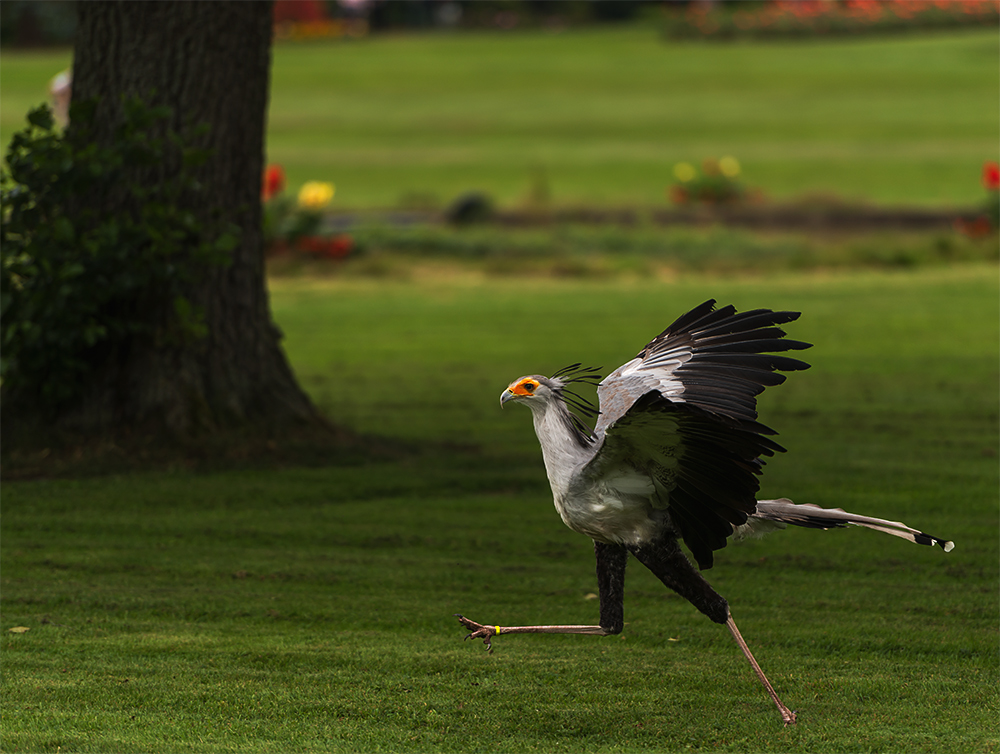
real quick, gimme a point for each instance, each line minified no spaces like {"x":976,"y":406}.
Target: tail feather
{"x":784,"y":511}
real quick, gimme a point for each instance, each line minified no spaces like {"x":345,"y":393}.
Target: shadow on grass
{"x":308,"y":447}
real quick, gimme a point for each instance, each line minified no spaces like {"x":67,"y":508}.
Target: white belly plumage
{"x":619,"y":509}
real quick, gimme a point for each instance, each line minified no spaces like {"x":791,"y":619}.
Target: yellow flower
{"x":684,"y":172}
{"x":729,"y":167}
{"x":315,"y":195}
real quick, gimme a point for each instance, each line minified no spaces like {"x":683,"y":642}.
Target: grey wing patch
{"x":616,"y":395}
{"x":653,"y":368}
{"x":627,"y":384}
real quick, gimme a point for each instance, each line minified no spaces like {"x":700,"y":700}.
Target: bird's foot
{"x":479,"y":631}
{"x":788,"y":716}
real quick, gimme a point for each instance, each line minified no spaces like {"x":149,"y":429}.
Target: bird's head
{"x":534,"y":391}
{"x":539,"y":393}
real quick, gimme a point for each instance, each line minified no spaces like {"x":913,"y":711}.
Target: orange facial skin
{"x":527,"y":386}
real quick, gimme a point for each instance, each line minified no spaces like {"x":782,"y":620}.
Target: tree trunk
{"x":210,"y":63}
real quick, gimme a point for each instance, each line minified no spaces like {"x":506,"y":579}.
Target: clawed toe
{"x":478,"y":630}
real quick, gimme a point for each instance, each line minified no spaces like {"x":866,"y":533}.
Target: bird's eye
{"x":530,"y":386}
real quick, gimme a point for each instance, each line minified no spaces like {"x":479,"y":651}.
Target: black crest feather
{"x":576,"y":373}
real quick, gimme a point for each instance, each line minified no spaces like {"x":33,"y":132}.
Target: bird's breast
{"x":616,"y":510}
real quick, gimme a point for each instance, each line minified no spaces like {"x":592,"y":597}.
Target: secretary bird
{"x":675,"y":455}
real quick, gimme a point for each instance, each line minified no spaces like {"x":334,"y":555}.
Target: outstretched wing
{"x":714,"y":359}
{"x":684,"y":412}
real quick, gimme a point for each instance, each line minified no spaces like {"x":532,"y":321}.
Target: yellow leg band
{"x":498,"y":630}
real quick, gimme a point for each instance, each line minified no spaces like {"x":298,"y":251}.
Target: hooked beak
{"x":505,"y":396}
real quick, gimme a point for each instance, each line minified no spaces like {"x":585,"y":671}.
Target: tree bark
{"x":210,"y":63}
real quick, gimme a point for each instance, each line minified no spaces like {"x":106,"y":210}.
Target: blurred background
{"x":411,"y":103}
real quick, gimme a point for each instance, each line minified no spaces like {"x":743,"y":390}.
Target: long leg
{"x":611,"y":560}
{"x":667,"y":561}
{"x":786,"y":714}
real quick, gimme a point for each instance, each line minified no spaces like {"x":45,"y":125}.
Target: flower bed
{"x":804,"y":18}
{"x":987,"y":223}
{"x":716,"y":183}
{"x":295,"y":226}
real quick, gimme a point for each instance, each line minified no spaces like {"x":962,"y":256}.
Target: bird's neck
{"x":564,"y":449}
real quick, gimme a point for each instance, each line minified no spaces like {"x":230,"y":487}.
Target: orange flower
{"x":978,"y":227}
{"x":678,"y":195}
{"x":274,"y":182}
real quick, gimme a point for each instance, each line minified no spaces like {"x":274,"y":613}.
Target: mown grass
{"x":600,"y":116}
{"x":291,"y":609}
{"x":605,"y":114}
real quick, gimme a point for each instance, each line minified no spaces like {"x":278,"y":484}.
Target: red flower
{"x":310,"y":244}
{"x":274,"y":182}
{"x":339,"y":246}
{"x":991,"y":176}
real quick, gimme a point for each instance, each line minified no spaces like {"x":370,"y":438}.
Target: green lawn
{"x":604,"y":114}
{"x":295,"y":609}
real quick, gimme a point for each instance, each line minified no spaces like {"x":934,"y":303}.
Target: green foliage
{"x":92,"y":255}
